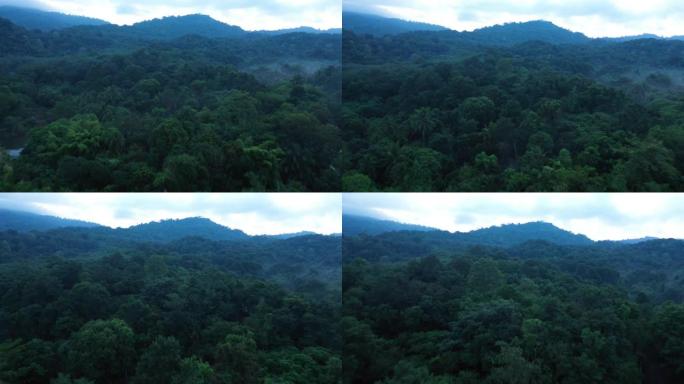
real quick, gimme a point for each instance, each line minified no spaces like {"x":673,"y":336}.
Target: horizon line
{"x":162,"y":220}
{"x":111,"y":23}
{"x":393,"y":17}
{"x":505,"y":224}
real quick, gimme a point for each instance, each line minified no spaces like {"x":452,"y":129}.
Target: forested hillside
{"x":30,"y":18}
{"x":420,"y":310}
{"x":356,"y":224}
{"x":25,"y":221}
{"x":96,"y":305}
{"x":516,"y":107}
{"x":174,"y":104}
{"x":362,"y":23}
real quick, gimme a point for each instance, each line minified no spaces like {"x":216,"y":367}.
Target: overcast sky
{"x":253,"y":213}
{"x":599,"y":216}
{"x":248,"y":14}
{"x":595,"y":18}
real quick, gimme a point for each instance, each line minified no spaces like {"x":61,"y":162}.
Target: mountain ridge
{"x":519,"y":32}
{"x":528,"y":231}
{"x":173,"y":27}
{"x":359,"y":224}
{"x":508,"y":34}
{"x":167,"y":27}
{"x":165,"y":230}
{"x":369,"y":24}
{"x":32,"y":18}
{"x":23,"y":221}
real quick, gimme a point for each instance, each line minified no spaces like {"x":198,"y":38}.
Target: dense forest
{"x":95,"y":305}
{"x":517,"y":107}
{"x":176,"y":104}
{"x":417,"y":309}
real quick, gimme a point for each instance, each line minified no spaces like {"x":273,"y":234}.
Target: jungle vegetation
{"x":417,"y":309}
{"x":92,"y":305}
{"x":176,"y":104}
{"x":518,"y":107}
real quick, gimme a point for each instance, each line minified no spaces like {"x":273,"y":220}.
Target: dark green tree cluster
{"x":193,"y":114}
{"x":142,"y":317}
{"x":482,"y":316}
{"x":425,"y":112}
{"x":307,"y":264}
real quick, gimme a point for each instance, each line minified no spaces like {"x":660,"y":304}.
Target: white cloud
{"x":253,"y":213}
{"x":595,"y":18}
{"x":599,"y":216}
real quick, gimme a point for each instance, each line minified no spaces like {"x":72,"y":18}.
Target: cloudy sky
{"x":249,"y":14}
{"x":253,"y":213}
{"x":599,"y":216}
{"x":595,"y":18}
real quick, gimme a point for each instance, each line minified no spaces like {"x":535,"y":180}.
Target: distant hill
{"x":516,"y":33}
{"x":292,"y":235}
{"x":639,"y":37}
{"x":26,"y":221}
{"x":30,"y":18}
{"x":504,"y":235}
{"x":14,"y":39}
{"x":170,"y":230}
{"x":536,"y":240}
{"x":362,"y":23}
{"x":93,"y":30}
{"x":335,"y":31}
{"x":510,"y":234}
{"x":173,"y":27}
{"x":637,"y":241}
{"x":354,"y":225}
{"x":630,"y":38}
{"x":500,"y":35}
{"x":164,"y":231}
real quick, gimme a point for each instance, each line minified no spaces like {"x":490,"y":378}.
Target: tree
{"x":102,"y":350}
{"x":237,"y":358}
{"x":651,"y":168}
{"x":416,"y":169}
{"x":484,"y":277}
{"x":510,"y":367}
{"x":423,"y":122}
{"x":34,"y":361}
{"x":193,"y":371}
{"x":181,"y":171}
{"x":480,"y":109}
{"x":89,"y":300}
{"x":357,"y":182}
{"x":81,"y":136}
{"x":160,"y":362}
{"x":668,"y":332}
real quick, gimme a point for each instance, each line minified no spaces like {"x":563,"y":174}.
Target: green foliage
{"x":34,"y":361}
{"x":160,"y":362}
{"x":432,"y":111}
{"x":191,"y":114}
{"x":194,"y":371}
{"x":101,"y":350}
{"x":532,"y":313}
{"x":186,"y":312}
